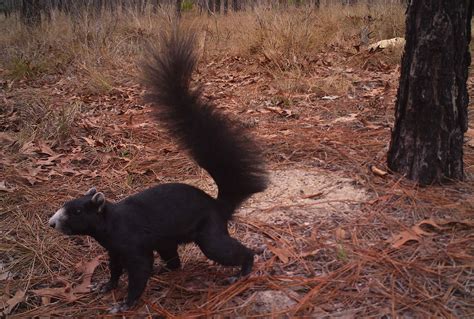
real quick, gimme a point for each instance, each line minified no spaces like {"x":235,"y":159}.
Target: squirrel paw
{"x":104,"y":287}
{"x":237,"y":277}
{"x":120,"y":307}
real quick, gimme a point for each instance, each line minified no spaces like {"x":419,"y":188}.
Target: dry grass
{"x":70,"y":89}
{"x":104,"y":51}
{"x":286,"y":38}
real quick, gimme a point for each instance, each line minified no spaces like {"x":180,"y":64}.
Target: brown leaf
{"x":430,"y":222}
{"x":419,"y":231}
{"x":318,"y":194}
{"x":62,"y":293}
{"x":45,"y":149}
{"x":282,"y":253}
{"x":369,"y":125}
{"x":341,"y":234}
{"x":312,"y":252}
{"x":28,"y":148}
{"x":402,"y":238}
{"x":413,"y":234}
{"x":49,"y":161}
{"x":6,"y":139}
{"x":377,"y":171}
{"x":12,"y":302}
{"x":45,"y":300}
{"x":32,"y":175}
{"x":68,"y":171}
{"x":93,"y":142}
{"x":465,"y":223}
{"x":5,"y":188}
{"x":87,"y":270}
{"x":280,"y":111}
{"x":69,"y":293}
{"x":89,"y":123}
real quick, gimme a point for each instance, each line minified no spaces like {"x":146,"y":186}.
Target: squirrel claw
{"x":104,"y":287}
{"x":120,"y":307}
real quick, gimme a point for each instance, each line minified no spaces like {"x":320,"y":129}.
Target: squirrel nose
{"x":52,"y":224}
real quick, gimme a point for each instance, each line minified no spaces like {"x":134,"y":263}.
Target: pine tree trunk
{"x":235,"y":5}
{"x":431,"y":108}
{"x":211,"y":6}
{"x":178,"y":8}
{"x":31,"y":13}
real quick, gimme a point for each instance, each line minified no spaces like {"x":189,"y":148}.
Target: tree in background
{"x":31,"y":12}
{"x":431,"y":108}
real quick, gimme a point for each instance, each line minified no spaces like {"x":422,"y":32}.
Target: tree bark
{"x":178,"y":8}
{"x":431,"y":108}
{"x":235,"y":5}
{"x":211,"y":6}
{"x":31,"y":12}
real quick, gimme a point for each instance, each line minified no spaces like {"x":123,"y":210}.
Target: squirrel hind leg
{"x":226,"y":251}
{"x":169,"y":255}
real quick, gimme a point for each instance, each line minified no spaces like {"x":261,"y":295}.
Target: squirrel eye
{"x":76,"y":211}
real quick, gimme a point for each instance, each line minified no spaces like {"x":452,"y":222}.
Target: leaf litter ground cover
{"x":335,"y":235}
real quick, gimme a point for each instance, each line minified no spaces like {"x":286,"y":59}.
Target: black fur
{"x":164,"y":216}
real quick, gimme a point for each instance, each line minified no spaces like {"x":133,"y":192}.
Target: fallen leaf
{"x":54,"y":173}
{"x":87,"y":270}
{"x":308,"y":253}
{"x":383,"y":44}
{"x":282,"y":253}
{"x":28,"y":148}
{"x":93,"y":142}
{"x":6,"y":139}
{"x":377,"y":171}
{"x":465,"y":223}
{"x":280,"y":111}
{"x":318,"y":194}
{"x":12,"y":302}
{"x":341,"y":234}
{"x":68,"y":292}
{"x":369,"y":125}
{"x":430,"y":222}
{"x":402,"y":238}
{"x":68,"y":171}
{"x":62,"y":293}
{"x":45,"y":149}
{"x":415,"y":233}
{"x":5,"y":188}
{"x":49,"y":161}
{"x":330,"y":97}
{"x":45,"y":300}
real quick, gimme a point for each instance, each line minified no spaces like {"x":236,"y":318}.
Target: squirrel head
{"x":80,"y":216}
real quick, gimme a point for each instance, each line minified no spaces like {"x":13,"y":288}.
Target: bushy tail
{"x":216,"y":144}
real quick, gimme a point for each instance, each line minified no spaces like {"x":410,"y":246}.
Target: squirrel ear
{"x":99,"y":200}
{"x":91,"y":191}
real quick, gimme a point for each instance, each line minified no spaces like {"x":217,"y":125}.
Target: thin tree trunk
{"x":431,"y":108}
{"x":178,"y":8}
{"x":30,"y":12}
{"x":211,"y":6}
{"x":235,"y":5}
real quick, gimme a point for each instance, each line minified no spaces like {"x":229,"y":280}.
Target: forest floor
{"x":336,"y":235}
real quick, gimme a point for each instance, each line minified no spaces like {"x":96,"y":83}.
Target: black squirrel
{"x":164,"y":216}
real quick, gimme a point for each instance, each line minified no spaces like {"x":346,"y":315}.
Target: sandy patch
{"x":303,"y":196}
